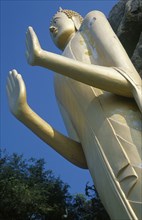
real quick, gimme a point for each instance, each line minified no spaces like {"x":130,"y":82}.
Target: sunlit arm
{"x":65,"y":146}
{"x":105,"y":78}
{"x":19,"y":107}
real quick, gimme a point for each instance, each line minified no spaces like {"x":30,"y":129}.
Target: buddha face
{"x":61,"y":29}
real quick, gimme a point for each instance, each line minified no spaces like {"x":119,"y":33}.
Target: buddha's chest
{"x":82,"y":49}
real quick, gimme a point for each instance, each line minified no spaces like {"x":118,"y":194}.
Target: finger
{"x":33,"y":35}
{"x":14,"y":75}
{"x":9,"y":84}
{"x":27,"y":56}
{"x":20,"y":80}
{"x":29,"y":37}
{"x":19,"y":77}
{"x":32,"y":32}
{"x":11,"y":77}
{"x":21,"y":83}
{"x":28,"y":41}
{"x":8,"y":91}
{"x":30,"y":29}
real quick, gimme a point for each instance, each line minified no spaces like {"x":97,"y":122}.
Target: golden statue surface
{"x":99,"y":95}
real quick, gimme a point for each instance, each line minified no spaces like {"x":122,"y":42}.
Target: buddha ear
{"x":76,"y":21}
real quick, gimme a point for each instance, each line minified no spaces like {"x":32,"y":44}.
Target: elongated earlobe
{"x":76,"y":21}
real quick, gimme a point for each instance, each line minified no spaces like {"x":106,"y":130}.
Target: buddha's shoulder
{"x":90,"y":18}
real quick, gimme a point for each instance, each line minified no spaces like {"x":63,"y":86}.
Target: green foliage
{"x":29,"y":192}
{"x":87,"y":207}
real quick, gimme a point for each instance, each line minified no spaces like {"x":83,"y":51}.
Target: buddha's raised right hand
{"x":33,"y":47}
{"x":16,"y":92}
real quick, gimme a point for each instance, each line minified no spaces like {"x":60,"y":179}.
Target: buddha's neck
{"x":62,"y":43}
{"x":69,"y":38}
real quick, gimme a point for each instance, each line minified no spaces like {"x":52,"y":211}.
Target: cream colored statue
{"x":99,"y":94}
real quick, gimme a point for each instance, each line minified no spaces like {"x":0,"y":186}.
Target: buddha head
{"x":63,"y":26}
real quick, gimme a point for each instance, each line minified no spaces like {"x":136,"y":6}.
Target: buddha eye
{"x":55,"y":20}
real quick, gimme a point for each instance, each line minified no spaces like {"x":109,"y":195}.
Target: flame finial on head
{"x":60,"y":9}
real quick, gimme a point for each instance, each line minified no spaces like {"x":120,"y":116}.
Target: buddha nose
{"x":52,"y":29}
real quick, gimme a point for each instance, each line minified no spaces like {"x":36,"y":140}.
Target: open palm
{"x":16,"y":92}
{"x":33,"y":47}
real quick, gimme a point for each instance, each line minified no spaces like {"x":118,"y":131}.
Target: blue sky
{"x":16,"y":16}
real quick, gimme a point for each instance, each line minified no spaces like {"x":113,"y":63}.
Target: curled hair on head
{"x":70,"y":14}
